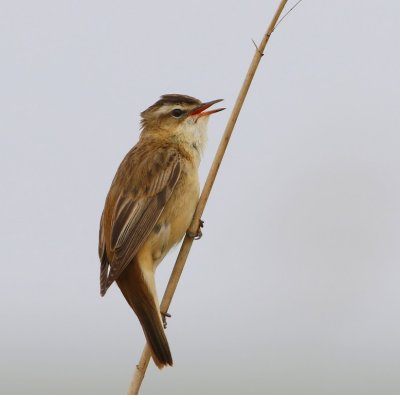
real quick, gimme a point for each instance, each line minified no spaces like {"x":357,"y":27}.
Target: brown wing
{"x":142,"y":186}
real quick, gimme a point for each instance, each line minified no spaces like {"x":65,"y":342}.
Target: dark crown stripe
{"x":172,"y":99}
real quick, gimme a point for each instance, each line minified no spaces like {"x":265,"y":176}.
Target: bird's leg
{"x":164,"y":318}
{"x":198,"y":234}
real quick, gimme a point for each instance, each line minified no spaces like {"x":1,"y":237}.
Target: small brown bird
{"x":150,"y":205}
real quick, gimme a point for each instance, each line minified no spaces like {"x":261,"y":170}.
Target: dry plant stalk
{"x":141,"y":367}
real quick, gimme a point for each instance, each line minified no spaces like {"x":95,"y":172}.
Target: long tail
{"x":143,"y":301}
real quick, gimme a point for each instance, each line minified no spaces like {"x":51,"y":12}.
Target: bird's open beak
{"x":199,"y":111}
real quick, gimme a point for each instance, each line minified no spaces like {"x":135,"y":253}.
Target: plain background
{"x":294,"y":288}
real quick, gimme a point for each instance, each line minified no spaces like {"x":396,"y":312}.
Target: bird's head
{"x":180,"y":116}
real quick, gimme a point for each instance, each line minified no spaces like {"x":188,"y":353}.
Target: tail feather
{"x":140,"y":298}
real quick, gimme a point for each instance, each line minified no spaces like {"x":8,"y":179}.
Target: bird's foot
{"x":164,"y":318}
{"x":198,"y":234}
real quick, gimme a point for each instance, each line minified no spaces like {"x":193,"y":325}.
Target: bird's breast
{"x":176,"y":216}
{"x":179,"y":210}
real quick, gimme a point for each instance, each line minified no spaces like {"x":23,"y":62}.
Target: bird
{"x":150,"y":206}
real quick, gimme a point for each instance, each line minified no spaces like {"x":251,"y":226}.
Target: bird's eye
{"x":177,"y":112}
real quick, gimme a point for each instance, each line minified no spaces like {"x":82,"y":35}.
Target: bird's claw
{"x":164,"y":318}
{"x":197,"y":235}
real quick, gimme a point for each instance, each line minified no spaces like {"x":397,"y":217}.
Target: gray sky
{"x":294,"y":288}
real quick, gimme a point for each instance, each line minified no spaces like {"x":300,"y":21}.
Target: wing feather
{"x":134,"y":215}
